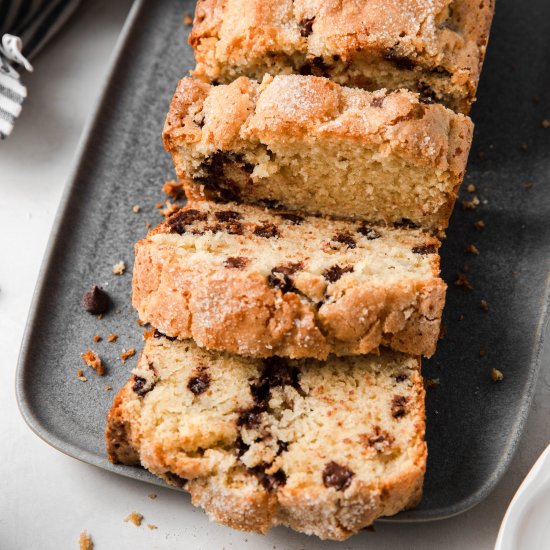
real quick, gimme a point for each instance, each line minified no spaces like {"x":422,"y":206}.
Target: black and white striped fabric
{"x":25,"y":27}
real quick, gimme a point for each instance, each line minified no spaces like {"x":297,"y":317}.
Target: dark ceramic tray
{"x":474,"y":424}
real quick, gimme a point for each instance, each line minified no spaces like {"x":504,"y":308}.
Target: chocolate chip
{"x":405,"y":222}
{"x":378,"y":102}
{"x":334,"y":273}
{"x":280,"y":276}
{"x":227,"y":215}
{"x":337,"y":476}
{"x":270,"y":203}
{"x":379,"y":439}
{"x":294,"y":218}
{"x":241,"y":447}
{"x":315,"y":66}
{"x":237,"y":262}
{"x":306,"y":26}
{"x":427,"y":95}
{"x":96,"y":300}
{"x":266,"y":230}
{"x":277,"y":372}
{"x":177,"y":223}
{"x":158,"y":334}
{"x":398,"y":406}
{"x":176,"y":480}
{"x":345,"y":238}
{"x":251,"y":418}
{"x":398,"y":61}
{"x":367,"y":231}
{"x":425,"y":249}
{"x":401,"y":377}
{"x":270,"y":482}
{"x":140,"y":385}
{"x":199,"y":384}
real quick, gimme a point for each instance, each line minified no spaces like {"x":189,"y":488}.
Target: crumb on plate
{"x":119,"y":268}
{"x":127,"y":354}
{"x":85,"y":541}
{"x":134,"y":518}
{"x":91,"y":358}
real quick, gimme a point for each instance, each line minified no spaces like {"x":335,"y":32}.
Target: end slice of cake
{"x":322,"y":447}
{"x":258,"y":282}
{"x":308,"y":144}
{"x":434,"y":47}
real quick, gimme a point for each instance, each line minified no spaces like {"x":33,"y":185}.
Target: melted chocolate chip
{"x":425,"y":249}
{"x":378,"y":102}
{"x":158,"y":334}
{"x":399,"y":62}
{"x":380,"y":439}
{"x":140,"y":385}
{"x":367,"y":231}
{"x":176,"y":480}
{"x":337,"y":476}
{"x":237,"y":262}
{"x":306,"y":26}
{"x":270,"y":482}
{"x":251,"y":418}
{"x":345,"y":238}
{"x":266,"y":230}
{"x":280,"y":276}
{"x":398,"y":406}
{"x":199,"y":384}
{"x":426,"y":93}
{"x":401,"y":377}
{"x":405,"y":222}
{"x":277,"y":372}
{"x":294,"y":218}
{"x":96,"y":300}
{"x":315,"y":66}
{"x":227,"y":215}
{"x":241,"y":447}
{"x":178,"y":222}
{"x":334,"y":273}
{"x":270,"y":203}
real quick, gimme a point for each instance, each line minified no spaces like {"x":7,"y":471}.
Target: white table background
{"x":46,"y":498}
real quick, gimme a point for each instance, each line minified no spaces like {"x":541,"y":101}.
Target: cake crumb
{"x":461,"y":317}
{"x":108,"y":388}
{"x":112,"y":337}
{"x":471,"y":249}
{"x":496,"y":375}
{"x":140,"y":322}
{"x":159,"y":205}
{"x":119,"y":268}
{"x":463,"y":281}
{"x":127,"y":354}
{"x":431,"y":383}
{"x":173,"y":189}
{"x":524,"y":147}
{"x":471,"y":188}
{"x":100,"y":316}
{"x":80,"y":375}
{"x":470,"y":205}
{"x":479,"y":225}
{"x":170,"y":208}
{"x":482,"y":353}
{"x":484,"y":305}
{"x":187,"y":20}
{"x":528,"y":185}
{"x":148,"y":225}
{"x":136,"y":208}
{"x":92,"y":360}
{"x":148,"y":333}
{"x":152,"y":526}
{"x":85,"y":541}
{"x":97,"y":338}
{"x":545,"y":123}
{"x":134,"y":518}
{"x":152,"y":496}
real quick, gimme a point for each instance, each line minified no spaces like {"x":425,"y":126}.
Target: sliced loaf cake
{"x":259,"y":282}
{"x":435,"y":47}
{"x":308,"y":144}
{"x":324,"y":448}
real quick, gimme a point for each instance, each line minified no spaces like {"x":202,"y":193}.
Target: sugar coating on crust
{"x":312,"y":145}
{"x":259,"y":282}
{"x":322,"y":447}
{"x":435,"y":47}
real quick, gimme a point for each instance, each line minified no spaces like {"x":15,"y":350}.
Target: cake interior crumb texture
{"x":311,"y":145}
{"x":434,"y":47}
{"x":260,"y":282}
{"x":324,"y":448}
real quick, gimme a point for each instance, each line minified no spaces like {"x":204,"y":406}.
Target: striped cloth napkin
{"x":25,"y":27}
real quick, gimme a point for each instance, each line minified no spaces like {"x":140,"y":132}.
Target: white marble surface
{"x":46,"y":498}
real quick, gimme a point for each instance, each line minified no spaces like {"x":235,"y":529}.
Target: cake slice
{"x":258,"y":282}
{"x":435,"y":47}
{"x":308,"y":144}
{"x":322,"y":447}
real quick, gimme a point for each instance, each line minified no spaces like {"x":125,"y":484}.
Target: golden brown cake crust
{"x":445,"y":38}
{"x":203,"y":438}
{"x":265,"y":124}
{"x":245,"y":311}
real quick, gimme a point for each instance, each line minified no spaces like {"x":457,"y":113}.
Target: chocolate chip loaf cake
{"x":324,"y":448}
{"x":258,"y":282}
{"x":311,"y":145}
{"x":434,"y":47}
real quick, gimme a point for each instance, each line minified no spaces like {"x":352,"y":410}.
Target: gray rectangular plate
{"x":474,"y":424}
